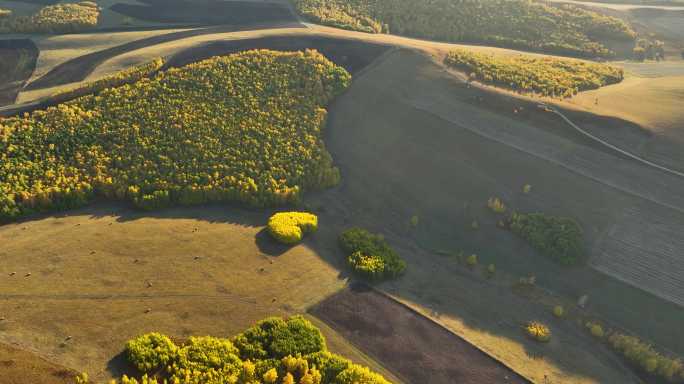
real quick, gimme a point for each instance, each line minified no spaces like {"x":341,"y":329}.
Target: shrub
{"x":205,"y":358}
{"x":559,"y":311}
{"x":559,"y":238}
{"x":275,"y":338}
{"x":538,"y":331}
{"x":491,"y":270}
{"x":647,"y":358}
{"x":414,"y":221}
{"x":57,"y":18}
{"x":528,"y":74}
{"x":535,"y":25}
{"x":150,"y":351}
{"x":214,"y":360}
{"x":290,"y":227}
{"x":258,"y":142}
{"x":596,"y":330}
{"x":527,"y":189}
{"x":357,"y":374}
{"x":496,"y":205}
{"x":471,"y":260}
{"x":370,"y":256}
{"x":5,"y":13}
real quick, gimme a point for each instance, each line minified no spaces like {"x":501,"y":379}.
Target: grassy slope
{"x":89,"y":286}
{"x":386,"y":183}
{"x":23,"y":367}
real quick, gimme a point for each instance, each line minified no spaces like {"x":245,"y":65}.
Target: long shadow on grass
{"x":78,"y":69}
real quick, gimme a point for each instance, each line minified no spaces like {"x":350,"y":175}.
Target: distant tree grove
{"x":241,"y":128}
{"x":275,"y":350}
{"x":546,"y":76}
{"x":57,"y":18}
{"x":525,"y":24}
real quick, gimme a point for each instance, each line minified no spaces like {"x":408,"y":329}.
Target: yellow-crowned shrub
{"x":538,"y":331}
{"x":595,"y":329}
{"x":290,"y":227}
{"x":496,"y":205}
{"x":370,"y":256}
{"x":559,"y":311}
{"x":274,"y":351}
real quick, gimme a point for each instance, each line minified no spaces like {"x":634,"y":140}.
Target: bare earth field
{"x":416,"y":348}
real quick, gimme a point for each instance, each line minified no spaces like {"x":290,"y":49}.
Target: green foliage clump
{"x":526,"y":24}
{"x":274,"y":351}
{"x":559,"y":238}
{"x":370,"y":256}
{"x":150,"y":351}
{"x":546,"y":76}
{"x":596,"y":330}
{"x":558,"y":311}
{"x":277,"y":338}
{"x":647,"y":358}
{"x":240,"y":128}
{"x":290,"y":227}
{"x":57,"y":18}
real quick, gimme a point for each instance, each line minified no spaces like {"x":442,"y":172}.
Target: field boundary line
{"x":607,"y":144}
{"x":558,"y":162}
{"x":388,"y":296}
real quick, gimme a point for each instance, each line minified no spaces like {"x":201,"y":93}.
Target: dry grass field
{"x":106,"y":274}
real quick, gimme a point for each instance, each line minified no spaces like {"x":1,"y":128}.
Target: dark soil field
{"x":351,"y":54}
{"x":411,"y":345}
{"x":17,"y":62}
{"x":207,"y":11}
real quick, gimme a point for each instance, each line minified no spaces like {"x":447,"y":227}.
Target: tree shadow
{"x":119,"y":366}
{"x":267,"y":245}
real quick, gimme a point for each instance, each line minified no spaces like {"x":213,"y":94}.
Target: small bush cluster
{"x":647,"y":358}
{"x":596,"y":330}
{"x":546,"y":76}
{"x":370,"y":256}
{"x":559,"y":238}
{"x":57,"y":18}
{"x":496,"y":205}
{"x":520,"y":24}
{"x":559,"y":311}
{"x":5,"y":13}
{"x":273,"y":351}
{"x":243,"y":128}
{"x":648,"y":49}
{"x":290,"y":227}
{"x":538,"y":331}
